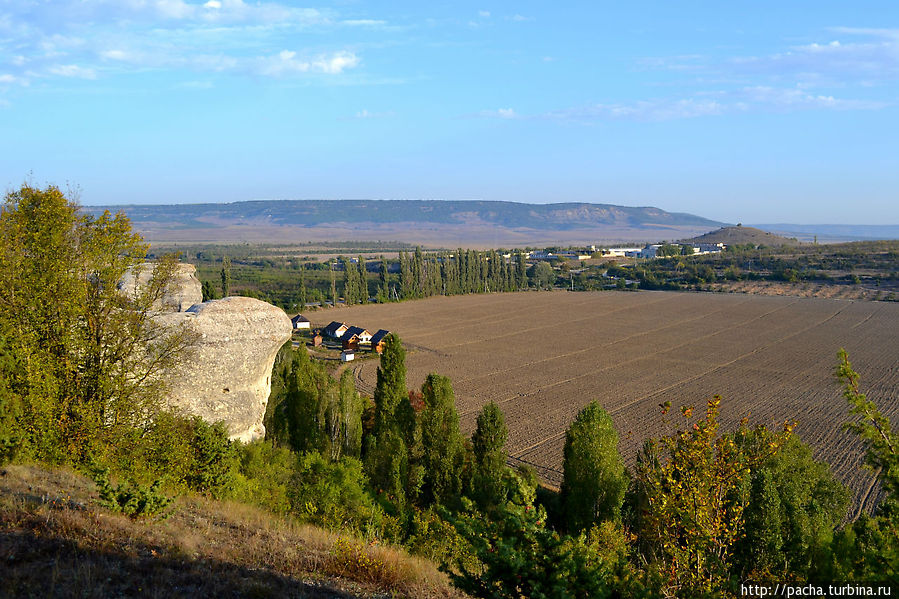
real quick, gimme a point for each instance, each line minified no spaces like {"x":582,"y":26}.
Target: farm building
{"x":347,"y":356}
{"x":377,"y":340}
{"x":300,"y":322}
{"x":335,"y":330}
{"x":364,"y":335}
{"x":354,"y":336}
{"x":316,"y":340}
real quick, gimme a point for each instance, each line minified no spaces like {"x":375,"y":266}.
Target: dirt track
{"x":543,"y":356}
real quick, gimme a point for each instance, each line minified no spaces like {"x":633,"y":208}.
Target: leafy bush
{"x":332,"y":494}
{"x":264,"y":475}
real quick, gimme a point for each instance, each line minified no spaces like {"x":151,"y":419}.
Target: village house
{"x":335,"y":330}
{"x":354,"y":336}
{"x":347,"y":356}
{"x":377,"y":340}
{"x":300,"y":322}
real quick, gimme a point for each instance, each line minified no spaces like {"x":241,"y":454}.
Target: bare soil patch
{"x":544,"y":356}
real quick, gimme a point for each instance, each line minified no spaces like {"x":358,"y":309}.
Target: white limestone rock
{"x":227,"y":376}
{"x":184,"y":291}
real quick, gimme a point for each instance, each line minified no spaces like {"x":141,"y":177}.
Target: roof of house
{"x":299,"y":318}
{"x":379,"y":336}
{"x":332,"y":328}
{"x":354,"y":331}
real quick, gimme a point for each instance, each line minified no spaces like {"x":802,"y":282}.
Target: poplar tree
{"x":594,"y":480}
{"x":488,"y":442}
{"x":443,"y":454}
{"x":387,"y":455}
{"x":521,"y":270}
{"x":226,"y":276}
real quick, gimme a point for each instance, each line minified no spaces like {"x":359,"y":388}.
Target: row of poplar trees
{"x":443,"y":273}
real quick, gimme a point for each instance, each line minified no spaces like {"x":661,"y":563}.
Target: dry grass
{"x":56,"y":542}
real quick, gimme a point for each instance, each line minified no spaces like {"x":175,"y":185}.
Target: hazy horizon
{"x":755,"y":113}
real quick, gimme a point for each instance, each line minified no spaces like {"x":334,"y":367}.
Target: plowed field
{"x":543,"y":356}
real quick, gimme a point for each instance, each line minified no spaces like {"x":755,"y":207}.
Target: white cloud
{"x":7,"y":78}
{"x":520,"y":18}
{"x":643,"y":110}
{"x":365,"y":114}
{"x":702,"y":104}
{"x":213,"y":4}
{"x":499,"y":113}
{"x":287,"y":63}
{"x":72,"y":70}
{"x":484,"y":14}
{"x":363,"y":22}
{"x":115,"y":54}
{"x":798,"y":98}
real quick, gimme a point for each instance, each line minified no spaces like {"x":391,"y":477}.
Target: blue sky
{"x":738,"y":111}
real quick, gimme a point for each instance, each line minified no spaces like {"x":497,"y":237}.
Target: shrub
{"x":332,"y":494}
{"x":130,"y":498}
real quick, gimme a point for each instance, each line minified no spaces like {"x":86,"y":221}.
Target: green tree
{"x":542,"y":275}
{"x":686,"y":515}
{"x":226,"y":276}
{"x":346,"y":422}
{"x":519,"y":556}
{"x":88,"y":358}
{"x":489,"y":468}
{"x":387,"y":449}
{"x":209,"y":291}
{"x":443,"y":455}
{"x":594,"y":479}
{"x":521,"y":271}
{"x":869,"y":549}
{"x":793,"y":498}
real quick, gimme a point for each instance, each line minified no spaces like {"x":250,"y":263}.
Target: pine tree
{"x":488,"y":442}
{"x":594,"y":478}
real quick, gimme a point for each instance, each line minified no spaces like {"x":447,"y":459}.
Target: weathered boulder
{"x":227,"y":375}
{"x":183,"y":292}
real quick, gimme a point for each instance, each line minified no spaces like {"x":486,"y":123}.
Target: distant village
{"x":652,"y":250}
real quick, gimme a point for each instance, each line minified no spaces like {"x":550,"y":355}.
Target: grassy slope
{"x":55,"y":541}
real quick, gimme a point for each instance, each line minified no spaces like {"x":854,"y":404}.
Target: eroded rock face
{"x":227,"y":376}
{"x":184,"y":291}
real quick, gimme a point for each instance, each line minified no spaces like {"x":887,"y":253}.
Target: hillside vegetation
{"x":56,"y":540}
{"x":702,"y":509}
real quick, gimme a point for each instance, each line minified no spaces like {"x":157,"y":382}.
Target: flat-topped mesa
{"x":182,"y":292}
{"x":227,"y":375}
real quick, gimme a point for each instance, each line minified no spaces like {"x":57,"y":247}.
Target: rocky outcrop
{"x":183,"y":291}
{"x":227,"y":375}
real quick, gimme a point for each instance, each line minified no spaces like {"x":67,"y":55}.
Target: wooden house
{"x":347,"y":356}
{"x":377,"y":340}
{"x":316,"y":340}
{"x":354,"y":336}
{"x":335,"y":330}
